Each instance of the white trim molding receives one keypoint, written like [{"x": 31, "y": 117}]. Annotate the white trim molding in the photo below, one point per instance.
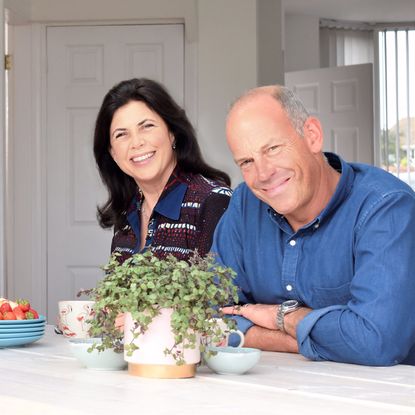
[{"x": 3, "y": 283}]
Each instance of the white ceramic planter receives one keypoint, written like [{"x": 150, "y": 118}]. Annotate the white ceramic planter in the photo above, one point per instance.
[{"x": 150, "y": 360}]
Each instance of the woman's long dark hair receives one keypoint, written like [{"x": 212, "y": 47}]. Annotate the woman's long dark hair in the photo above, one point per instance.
[{"x": 121, "y": 187}]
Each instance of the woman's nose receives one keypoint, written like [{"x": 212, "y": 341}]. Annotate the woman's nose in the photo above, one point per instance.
[{"x": 136, "y": 140}]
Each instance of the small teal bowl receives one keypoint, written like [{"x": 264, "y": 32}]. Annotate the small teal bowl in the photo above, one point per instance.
[
  {"x": 105, "y": 360},
  {"x": 232, "y": 360}
]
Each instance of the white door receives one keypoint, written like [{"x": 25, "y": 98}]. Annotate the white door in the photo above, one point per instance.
[
  {"x": 342, "y": 98},
  {"x": 84, "y": 62}
]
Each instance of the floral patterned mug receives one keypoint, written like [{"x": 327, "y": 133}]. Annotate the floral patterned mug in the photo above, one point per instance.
[{"x": 73, "y": 318}]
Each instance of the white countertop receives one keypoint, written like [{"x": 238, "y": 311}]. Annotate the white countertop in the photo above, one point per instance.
[{"x": 44, "y": 378}]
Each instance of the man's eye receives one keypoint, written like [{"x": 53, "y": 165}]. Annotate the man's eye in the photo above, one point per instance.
[
  {"x": 244, "y": 164},
  {"x": 148, "y": 125},
  {"x": 273, "y": 149}
]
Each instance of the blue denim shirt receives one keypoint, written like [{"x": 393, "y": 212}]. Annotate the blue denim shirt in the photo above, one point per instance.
[{"x": 354, "y": 265}]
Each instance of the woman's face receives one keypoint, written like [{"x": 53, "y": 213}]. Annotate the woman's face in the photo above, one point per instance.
[{"x": 141, "y": 145}]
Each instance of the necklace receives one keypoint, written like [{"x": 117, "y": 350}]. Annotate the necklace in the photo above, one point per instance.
[{"x": 145, "y": 211}]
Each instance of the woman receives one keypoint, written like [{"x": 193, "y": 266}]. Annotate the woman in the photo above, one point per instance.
[{"x": 162, "y": 194}]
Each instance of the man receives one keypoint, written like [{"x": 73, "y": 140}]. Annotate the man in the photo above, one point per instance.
[{"x": 324, "y": 250}]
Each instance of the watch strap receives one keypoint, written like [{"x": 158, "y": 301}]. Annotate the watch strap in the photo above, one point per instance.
[{"x": 285, "y": 308}]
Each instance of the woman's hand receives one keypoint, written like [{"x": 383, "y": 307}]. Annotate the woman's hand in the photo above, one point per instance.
[
  {"x": 119, "y": 322},
  {"x": 264, "y": 315}
]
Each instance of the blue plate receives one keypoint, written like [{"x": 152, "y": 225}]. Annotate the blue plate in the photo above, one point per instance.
[
  {"x": 19, "y": 341},
  {"x": 41, "y": 319},
  {"x": 19, "y": 335},
  {"x": 22, "y": 326},
  {"x": 23, "y": 330}
]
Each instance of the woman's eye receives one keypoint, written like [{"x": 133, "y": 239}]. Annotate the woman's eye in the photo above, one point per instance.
[
  {"x": 148, "y": 125},
  {"x": 120, "y": 134}
]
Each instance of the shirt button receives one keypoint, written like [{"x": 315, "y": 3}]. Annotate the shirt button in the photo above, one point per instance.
[
  {"x": 289, "y": 287},
  {"x": 292, "y": 242},
  {"x": 316, "y": 226}
]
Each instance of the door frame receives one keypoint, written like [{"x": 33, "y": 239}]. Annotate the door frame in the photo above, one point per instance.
[
  {"x": 3, "y": 173},
  {"x": 37, "y": 123}
]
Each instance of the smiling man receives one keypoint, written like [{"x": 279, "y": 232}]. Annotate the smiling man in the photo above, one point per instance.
[{"x": 323, "y": 249}]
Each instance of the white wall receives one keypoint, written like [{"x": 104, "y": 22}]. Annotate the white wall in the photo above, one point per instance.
[
  {"x": 270, "y": 42},
  {"x": 226, "y": 67},
  {"x": 25, "y": 238},
  {"x": 302, "y": 49}
]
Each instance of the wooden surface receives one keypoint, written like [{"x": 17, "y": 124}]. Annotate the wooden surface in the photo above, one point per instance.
[{"x": 44, "y": 378}]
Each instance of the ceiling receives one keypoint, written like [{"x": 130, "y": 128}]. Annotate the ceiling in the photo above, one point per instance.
[{"x": 356, "y": 10}]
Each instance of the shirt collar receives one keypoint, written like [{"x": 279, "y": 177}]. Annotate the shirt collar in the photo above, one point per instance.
[
  {"x": 344, "y": 186},
  {"x": 171, "y": 199},
  {"x": 170, "y": 204}
]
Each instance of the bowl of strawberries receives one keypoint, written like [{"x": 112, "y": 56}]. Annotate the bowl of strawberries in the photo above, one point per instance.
[
  {"x": 17, "y": 310},
  {"x": 20, "y": 324}
]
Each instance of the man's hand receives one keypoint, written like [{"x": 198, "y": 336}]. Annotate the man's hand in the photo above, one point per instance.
[{"x": 264, "y": 315}]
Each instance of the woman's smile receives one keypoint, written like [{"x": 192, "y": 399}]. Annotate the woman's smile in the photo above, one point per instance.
[{"x": 143, "y": 157}]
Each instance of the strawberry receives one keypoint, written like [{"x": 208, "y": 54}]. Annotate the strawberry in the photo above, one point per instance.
[
  {"x": 19, "y": 313},
  {"x": 31, "y": 314},
  {"x": 24, "y": 305},
  {"x": 9, "y": 315},
  {"x": 5, "y": 308},
  {"x": 1, "y": 316}
]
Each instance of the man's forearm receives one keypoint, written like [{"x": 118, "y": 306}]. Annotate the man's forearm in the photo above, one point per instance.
[
  {"x": 292, "y": 320},
  {"x": 270, "y": 340}
]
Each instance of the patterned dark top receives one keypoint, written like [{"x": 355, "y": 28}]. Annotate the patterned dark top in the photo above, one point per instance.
[{"x": 183, "y": 219}]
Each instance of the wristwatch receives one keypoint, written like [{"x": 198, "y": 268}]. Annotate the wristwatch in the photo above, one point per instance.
[{"x": 285, "y": 308}]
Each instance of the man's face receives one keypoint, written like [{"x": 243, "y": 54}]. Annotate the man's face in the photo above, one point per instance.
[{"x": 279, "y": 166}]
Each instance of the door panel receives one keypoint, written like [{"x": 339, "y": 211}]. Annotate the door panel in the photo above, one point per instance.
[
  {"x": 83, "y": 64},
  {"x": 342, "y": 98}
]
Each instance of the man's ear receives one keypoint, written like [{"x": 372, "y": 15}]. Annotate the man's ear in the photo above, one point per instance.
[{"x": 313, "y": 134}]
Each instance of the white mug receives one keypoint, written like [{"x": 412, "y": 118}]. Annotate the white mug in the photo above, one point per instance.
[
  {"x": 226, "y": 331},
  {"x": 73, "y": 317}
]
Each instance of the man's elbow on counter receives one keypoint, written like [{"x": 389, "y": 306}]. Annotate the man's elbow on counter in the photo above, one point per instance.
[
  {"x": 368, "y": 356},
  {"x": 387, "y": 352}
]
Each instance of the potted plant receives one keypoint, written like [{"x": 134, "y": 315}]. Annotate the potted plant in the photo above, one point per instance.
[{"x": 168, "y": 303}]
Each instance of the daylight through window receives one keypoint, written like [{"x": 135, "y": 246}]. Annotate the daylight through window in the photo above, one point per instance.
[{"x": 397, "y": 102}]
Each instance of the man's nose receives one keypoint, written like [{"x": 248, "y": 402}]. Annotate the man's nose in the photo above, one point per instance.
[{"x": 264, "y": 170}]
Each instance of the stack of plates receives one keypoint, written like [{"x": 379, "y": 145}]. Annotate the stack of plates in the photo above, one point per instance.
[{"x": 20, "y": 332}]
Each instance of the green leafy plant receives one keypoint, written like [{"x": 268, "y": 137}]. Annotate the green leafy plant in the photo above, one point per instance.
[{"x": 144, "y": 284}]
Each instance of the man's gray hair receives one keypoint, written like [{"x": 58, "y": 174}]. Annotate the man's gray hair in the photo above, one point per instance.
[
  {"x": 289, "y": 102},
  {"x": 293, "y": 106}
]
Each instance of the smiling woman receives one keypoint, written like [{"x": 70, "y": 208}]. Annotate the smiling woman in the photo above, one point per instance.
[
  {"x": 142, "y": 146},
  {"x": 162, "y": 195}
]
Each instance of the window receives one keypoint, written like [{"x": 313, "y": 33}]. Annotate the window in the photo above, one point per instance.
[
  {"x": 396, "y": 49},
  {"x": 347, "y": 43}
]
